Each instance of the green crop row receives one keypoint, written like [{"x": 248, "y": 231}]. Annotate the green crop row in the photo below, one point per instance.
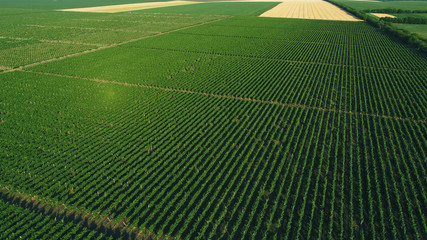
[
  {"x": 287, "y": 82},
  {"x": 246, "y": 128},
  {"x": 26, "y": 53},
  {"x": 31, "y": 37},
  {"x": 21, "y": 223},
  {"x": 192, "y": 166},
  {"x": 412, "y": 39},
  {"x": 396, "y": 57}
]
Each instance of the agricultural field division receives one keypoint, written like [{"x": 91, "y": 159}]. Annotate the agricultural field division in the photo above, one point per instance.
[{"x": 147, "y": 119}]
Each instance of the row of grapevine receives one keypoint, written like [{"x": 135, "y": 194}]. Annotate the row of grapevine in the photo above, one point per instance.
[
  {"x": 44, "y": 35},
  {"x": 195, "y": 166},
  {"x": 305, "y": 84},
  {"x": 21, "y": 223},
  {"x": 247, "y": 128},
  {"x": 351, "y": 50},
  {"x": 39, "y": 51},
  {"x": 246, "y": 70},
  {"x": 303, "y": 32}
]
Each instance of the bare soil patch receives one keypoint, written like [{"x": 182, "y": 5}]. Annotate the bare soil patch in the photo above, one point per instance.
[
  {"x": 382, "y": 15},
  {"x": 309, "y": 9},
  {"x": 128, "y": 7}
]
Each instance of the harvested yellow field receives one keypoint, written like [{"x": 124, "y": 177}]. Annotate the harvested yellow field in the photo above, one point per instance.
[
  {"x": 128, "y": 7},
  {"x": 309, "y": 9},
  {"x": 383, "y": 15},
  {"x": 241, "y": 0},
  {"x": 366, "y": 1}
]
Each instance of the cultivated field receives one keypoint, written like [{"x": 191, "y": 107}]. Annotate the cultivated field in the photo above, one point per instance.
[
  {"x": 129, "y": 7},
  {"x": 235, "y": 8},
  {"x": 419, "y": 29},
  {"x": 402, "y": 4},
  {"x": 309, "y": 9},
  {"x": 207, "y": 126}
]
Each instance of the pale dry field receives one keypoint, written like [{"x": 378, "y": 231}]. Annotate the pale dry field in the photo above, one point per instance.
[
  {"x": 381, "y": 15},
  {"x": 128, "y": 7},
  {"x": 240, "y": 1},
  {"x": 309, "y": 9},
  {"x": 365, "y": 1}
]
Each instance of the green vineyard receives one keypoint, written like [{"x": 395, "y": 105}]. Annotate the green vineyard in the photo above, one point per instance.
[{"x": 191, "y": 126}]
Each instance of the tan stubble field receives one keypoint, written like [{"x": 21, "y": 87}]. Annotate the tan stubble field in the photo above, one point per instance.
[
  {"x": 309, "y": 9},
  {"x": 129, "y": 7}
]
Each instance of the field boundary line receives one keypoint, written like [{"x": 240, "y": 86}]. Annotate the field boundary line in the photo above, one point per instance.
[
  {"x": 112, "y": 45},
  {"x": 87, "y": 219},
  {"x": 277, "y": 103},
  {"x": 4, "y": 68},
  {"x": 280, "y": 60}
]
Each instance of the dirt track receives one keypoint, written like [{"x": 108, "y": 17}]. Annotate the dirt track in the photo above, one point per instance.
[
  {"x": 128, "y": 7},
  {"x": 309, "y": 9}
]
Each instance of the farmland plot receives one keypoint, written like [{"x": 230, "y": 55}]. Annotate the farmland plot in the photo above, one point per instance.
[
  {"x": 128, "y": 7},
  {"x": 235, "y": 8},
  {"x": 309, "y": 9},
  {"x": 51, "y": 35},
  {"x": 122, "y": 159},
  {"x": 286, "y": 68},
  {"x": 243, "y": 128},
  {"x": 15, "y": 218}
]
